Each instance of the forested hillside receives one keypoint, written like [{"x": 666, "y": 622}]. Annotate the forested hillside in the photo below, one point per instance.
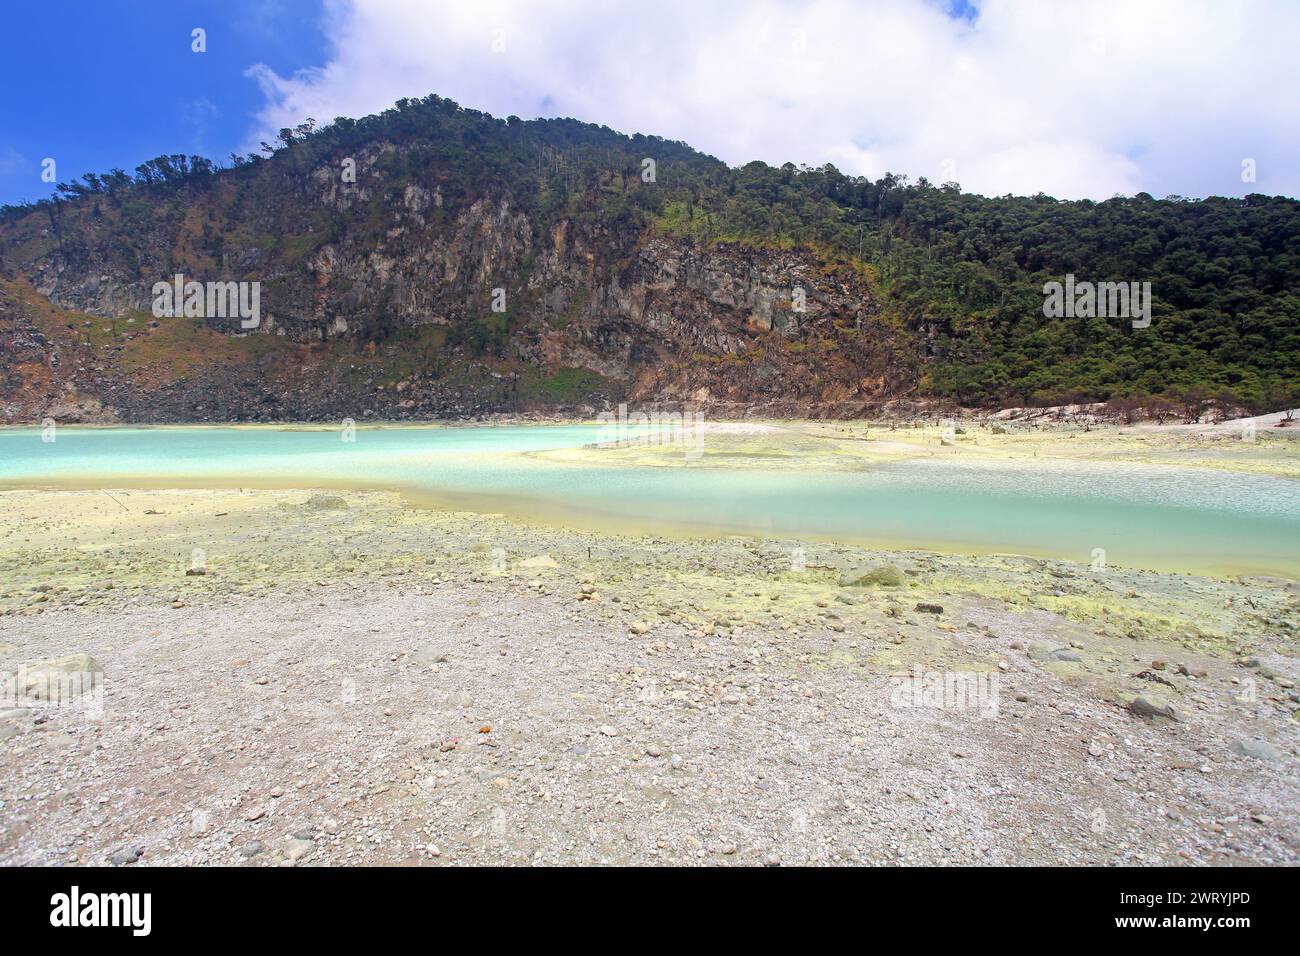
[{"x": 632, "y": 267}]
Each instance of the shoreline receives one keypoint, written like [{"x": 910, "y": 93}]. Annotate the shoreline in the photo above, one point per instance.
[
  {"x": 544, "y": 516},
  {"x": 787, "y": 450}
]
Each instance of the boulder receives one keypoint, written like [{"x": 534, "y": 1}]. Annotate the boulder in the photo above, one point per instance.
[
  {"x": 1144, "y": 707},
  {"x": 55, "y": 678},
  {"x": 1256, "y": 749},
  {"x": 884, "y": 575}
]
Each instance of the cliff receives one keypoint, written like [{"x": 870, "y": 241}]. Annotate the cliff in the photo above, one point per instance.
[{"x": 433, "y": 261}]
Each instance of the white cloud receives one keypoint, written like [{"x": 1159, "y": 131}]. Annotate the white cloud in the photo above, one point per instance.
[{"x": 1071, "y": 99}]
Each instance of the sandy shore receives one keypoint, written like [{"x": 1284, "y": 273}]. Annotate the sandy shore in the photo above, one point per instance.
[
  {"x": 356, "y": 680},
  {"x": 819, "y": 446}
]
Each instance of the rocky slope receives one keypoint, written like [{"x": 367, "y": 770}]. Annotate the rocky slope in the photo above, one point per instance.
[
  {"x": 433, "y": 260},
  {"x": 413, "y": 292}
]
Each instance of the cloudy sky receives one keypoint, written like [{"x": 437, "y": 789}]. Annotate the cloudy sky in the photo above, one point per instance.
[{"x": 1088, "y": 98}]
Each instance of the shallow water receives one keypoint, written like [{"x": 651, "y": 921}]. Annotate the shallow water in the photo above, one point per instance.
[{"x": 1166, "y": 518}]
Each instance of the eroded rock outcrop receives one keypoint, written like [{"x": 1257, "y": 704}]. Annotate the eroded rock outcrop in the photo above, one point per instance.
[{"x": 407, "y": 297}]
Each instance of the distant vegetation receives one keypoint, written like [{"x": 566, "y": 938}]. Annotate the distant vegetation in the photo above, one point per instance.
[{"x": 962, "y": 275}]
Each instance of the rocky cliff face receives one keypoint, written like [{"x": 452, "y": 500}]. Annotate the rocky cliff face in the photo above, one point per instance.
[{"x": 412, "y": 296}]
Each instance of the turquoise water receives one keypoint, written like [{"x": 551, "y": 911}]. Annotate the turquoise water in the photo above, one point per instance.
[{"x": 1142, "y": 516}]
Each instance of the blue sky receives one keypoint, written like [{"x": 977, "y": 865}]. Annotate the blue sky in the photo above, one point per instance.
[
  {"x": 1074, "y": 98},
  {"x": 96, "y": 84}
]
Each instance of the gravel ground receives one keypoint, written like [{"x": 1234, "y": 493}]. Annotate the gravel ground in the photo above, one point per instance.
[{"x": 658, "y": 702}]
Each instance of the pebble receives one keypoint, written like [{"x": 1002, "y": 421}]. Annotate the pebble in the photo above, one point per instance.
[
  {"x": 126, "y": 856},
  {"x": 297, "y": 848}
]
